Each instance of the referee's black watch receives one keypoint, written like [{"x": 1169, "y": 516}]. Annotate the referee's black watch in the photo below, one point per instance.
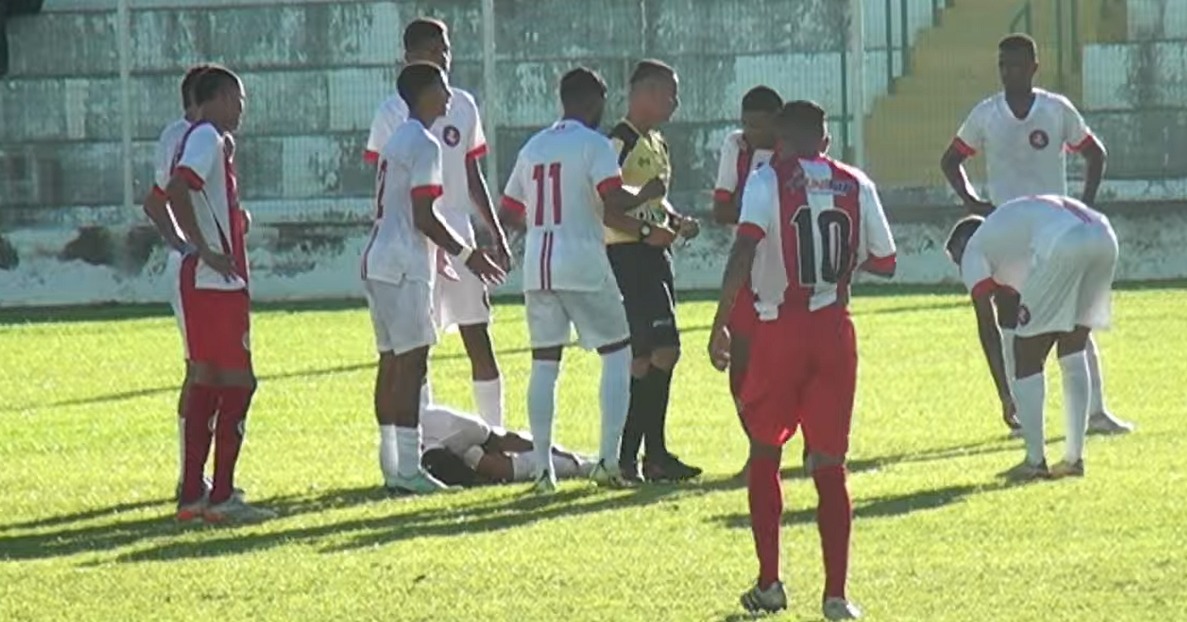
[{"x": 644, "y": 231}]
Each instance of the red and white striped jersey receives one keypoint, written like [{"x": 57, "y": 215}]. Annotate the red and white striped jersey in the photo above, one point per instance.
[
  {"x": 737, "y": 161},
  {"x": 817, "y": 220},
  {"x": 557, "y": 184},
  {"x": 1003, "y": 250}
]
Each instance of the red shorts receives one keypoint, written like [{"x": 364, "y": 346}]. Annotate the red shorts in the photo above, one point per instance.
[
  {"x": 215, "y": 324},
  {"x": 743, "y": 321},
  {"x": 803, "y": 372}
]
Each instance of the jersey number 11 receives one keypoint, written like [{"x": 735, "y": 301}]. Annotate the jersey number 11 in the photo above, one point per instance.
[{"x": 554, "y": 176}]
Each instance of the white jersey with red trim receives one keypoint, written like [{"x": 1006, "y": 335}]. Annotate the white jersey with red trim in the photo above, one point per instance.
[
  {"x": 205, "y": 159},
  {"x": 166, "y": 152},
  {"x": 737, "y": 161},
  {"x": 409, "y": 167},
  {"x": 1014, "y": 236},
  {"x": 1024, "y": 157},
  {"x": 817, "y": 220},
  {"x": 557, "y": 184},
  {"x": 460, "y": 135}
]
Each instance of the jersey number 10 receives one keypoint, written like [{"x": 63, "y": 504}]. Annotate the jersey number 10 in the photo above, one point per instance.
[
  {"x": 831, "y": 262},
  {"x": 554, "y": 176}
]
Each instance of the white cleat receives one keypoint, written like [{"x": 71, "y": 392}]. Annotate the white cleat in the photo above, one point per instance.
[
  {"x": 1104, "y": 423},
  {"x": 419, "y": 484},
  {"x": 770, "y": 600},
  {"x": 840, "y": 609},
  {"x": 544, "y": 484}
]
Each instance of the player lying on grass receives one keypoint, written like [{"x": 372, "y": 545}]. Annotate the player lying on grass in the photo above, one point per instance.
[
  {"x": 462, "y": 449},
  {"x": 1059, "y": 255}
]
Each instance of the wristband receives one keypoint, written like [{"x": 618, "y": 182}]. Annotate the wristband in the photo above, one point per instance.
[{"x": 464, "y": 254}]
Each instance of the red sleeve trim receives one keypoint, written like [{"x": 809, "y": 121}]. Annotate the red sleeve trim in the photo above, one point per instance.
[
  {"x": 964, "y": 148},
  {"x": 370, "y": 157},
  {"x": 608, "y": 184},
  {"x": 722, "y": 195},
  {"x": 158, "y": 192},
  {"x": 752, "y": 231},
  {"x": 477, "y": 152},
  {"x": 513, "y": 206},
  {"x": 1089, "y": 139},
  {"x": 984, "y": 287},
  {"x": 881, "y": 264},
  {"x": 427, "y": 192},
  {"x": 193, "y": 179}
]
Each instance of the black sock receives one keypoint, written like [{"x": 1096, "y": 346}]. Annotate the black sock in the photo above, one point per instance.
[
  {"x": 632, "y": 432},
  {"x": 659, "y": 392}
]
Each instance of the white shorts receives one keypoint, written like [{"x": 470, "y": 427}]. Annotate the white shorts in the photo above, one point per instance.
[
  {"x": 464, "y": 302},
  {"x": 402, "y": 315},
  {"x": 448, "y": 428},
  {"x": 599, "y": 317},
  {"x": 1071, "y": 284}
]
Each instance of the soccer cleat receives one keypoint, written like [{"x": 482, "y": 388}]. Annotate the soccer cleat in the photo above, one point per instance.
[
  {"x": 191, "y": 511},
  {"x": 236, "y": 511},
  {"x": 419, "y": 484},
  {"x": 771, "y": 600},
  {"x": 840, "y": 609},
  {"x": 1025, "y": 472},
  {"x": 610, "y": 477},
  {"x": 544, "y": 484},
  {"x": 668, "y": 468},
  {"x": 206, "y": 486},
  {"x": 1015, "y": 433},
  {"x": 1104, "y": 423},
  {"x": 1067, "y": 469},
  {"x": 629, "y": 471}
]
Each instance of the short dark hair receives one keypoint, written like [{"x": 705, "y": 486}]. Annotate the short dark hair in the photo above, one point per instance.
[
  {"x": 803, "y": 116},
  {"x": 762, "y": 99},
  {"x": 580, "y": 85},
  {"x": 1018, "y": 42},
  {"x": 414, "y": 79},
  {"x": 211, "y": 82},
  {"x": 651, "y": 69},
  {"x": 962, "y": 232},
  {"x": 187, "y": 83},
  {"x": 423, "y": 31}
]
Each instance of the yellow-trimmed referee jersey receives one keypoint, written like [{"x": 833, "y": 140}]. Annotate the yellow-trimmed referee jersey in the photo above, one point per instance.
[{"x": 643, "y": 157}]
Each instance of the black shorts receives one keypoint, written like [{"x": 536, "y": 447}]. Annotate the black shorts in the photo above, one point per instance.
[{"x": 644, "y": 276}]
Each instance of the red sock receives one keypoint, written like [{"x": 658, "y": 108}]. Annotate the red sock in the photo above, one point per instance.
[
  {"x": 201, "y": 402},
  {"x": 766, "y": 510},
  {"x": 228, "y": 435},
  {"x": 834, "y": 518}
]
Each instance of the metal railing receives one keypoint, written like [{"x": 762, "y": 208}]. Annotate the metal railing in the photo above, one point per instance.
[{"x": 1068, "y": 53}]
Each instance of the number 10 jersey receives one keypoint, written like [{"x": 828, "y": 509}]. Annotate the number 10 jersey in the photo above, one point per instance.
[{"x": 817, "y": 220}]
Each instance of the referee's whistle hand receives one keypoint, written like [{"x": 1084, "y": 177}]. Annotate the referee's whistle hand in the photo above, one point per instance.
[{"x": 661, "y": 237}]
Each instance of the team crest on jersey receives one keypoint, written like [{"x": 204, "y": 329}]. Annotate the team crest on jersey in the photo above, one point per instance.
[
  {"x": 452, "y": 136},
  {"x": 1039, "y": 140},
  {"x": 1023, "y": 315}
]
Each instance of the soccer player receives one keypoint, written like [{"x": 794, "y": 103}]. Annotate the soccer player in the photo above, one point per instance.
[
  {"x": 214, "y": 301},
  {"x": 398, "y": 273},
  {"x": 463, "y": 449},
  {"x": 1059, "y": 255},
  {"x": 463, "y": 301},
  {"x": 565, "y": 186},
  {"x": 1025, "y": 133},
  {"x": 807, "y": 223},
  {"x": 644, "y": 273},
  {"x": 744, "y": 150}
]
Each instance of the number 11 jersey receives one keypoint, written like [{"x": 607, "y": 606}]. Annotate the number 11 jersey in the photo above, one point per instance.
[
  {"x": 817, "y": 220},
  {"x": 557, "y": 184}
]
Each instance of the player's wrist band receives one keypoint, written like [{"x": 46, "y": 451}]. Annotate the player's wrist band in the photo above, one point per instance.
[{"x": 464, "y": 254}]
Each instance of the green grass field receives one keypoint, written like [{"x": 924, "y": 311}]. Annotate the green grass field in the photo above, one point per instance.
[{"x": 88, "y": 446}]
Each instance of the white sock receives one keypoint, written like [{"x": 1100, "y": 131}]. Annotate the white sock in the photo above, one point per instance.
[
  {"x": 1075, "y": 402},
  {"x": 1096, "y": 392},
  {"x": 426, "y": 395},
  {"x": 541, "y": 407},
  {"x": 388, "y": 452},
  {"x": 1008, "y": 357},
  {"x": 523, "y": 467},
  {"x": 614, "y": 396},
  {"x": 488, "y": 397},
  {"x": 1029, "y": 395},
  {"x": 407, "y": 451}
]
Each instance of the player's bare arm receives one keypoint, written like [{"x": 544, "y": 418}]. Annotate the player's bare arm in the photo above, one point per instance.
[
  {"x": 737, "y": 269},
  {"x": 178, "y": 194},
  {"x": 476, "y": 183},
  {"x": 952, "y": 163},
  {"x": 157, "y": 209},
  {"x": 426, "y": 220},
  {"x": 879, "y": 268},
  {"x": 1096, "y": 157},
  {"x": 991, "y": 345}
]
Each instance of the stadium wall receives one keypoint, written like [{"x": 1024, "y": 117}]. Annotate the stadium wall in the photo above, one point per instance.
[{"x": 315, "y": 71}]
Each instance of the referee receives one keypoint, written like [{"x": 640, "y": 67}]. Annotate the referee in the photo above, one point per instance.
[{"x": 644, "y": 275}]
